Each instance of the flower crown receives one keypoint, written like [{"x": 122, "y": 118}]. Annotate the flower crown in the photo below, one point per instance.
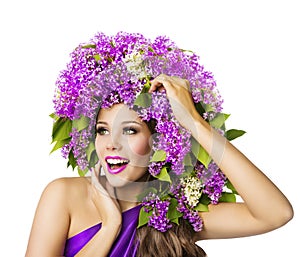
[{"x": 118, "y": 69}]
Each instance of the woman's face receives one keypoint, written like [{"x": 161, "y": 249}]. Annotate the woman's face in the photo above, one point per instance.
[{"x": 123, "y": 144}]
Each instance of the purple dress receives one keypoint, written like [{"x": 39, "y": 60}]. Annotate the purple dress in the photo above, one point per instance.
[{"x": 124, "y": 245}]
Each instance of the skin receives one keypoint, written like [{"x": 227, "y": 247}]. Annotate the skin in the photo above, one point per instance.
[{"x": 70, "y": 205}]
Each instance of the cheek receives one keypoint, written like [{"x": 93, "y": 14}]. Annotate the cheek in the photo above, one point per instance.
[
  {"x": 140, "y": 146},
  {"x": 99, "y": 146}
]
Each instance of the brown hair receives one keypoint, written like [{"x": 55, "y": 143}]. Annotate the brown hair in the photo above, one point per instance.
[{"x": 176, "y": 242}]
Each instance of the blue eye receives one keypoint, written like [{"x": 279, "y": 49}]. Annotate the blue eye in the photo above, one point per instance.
[
  {"x": 129, "y": 131},
  {"x": 102, "y": 131}
]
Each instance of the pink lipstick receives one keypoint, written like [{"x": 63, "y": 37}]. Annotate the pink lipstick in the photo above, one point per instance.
[{"x": 116, "y": 164}]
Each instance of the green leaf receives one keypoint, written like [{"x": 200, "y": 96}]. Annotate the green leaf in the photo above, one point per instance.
[
  {"x": 173, "y": 214},
  {"x": 187, "y": 170},
  {"x": 72, "y": 160},
  {"x": 60, "y": 144},
  {"x": 150, "y": 49},
  {"x": 234, "y": 133},
  {"x": 175, "y": 220},
  {"x": 146, "y": 86},
  {"x": 201, "y": 207},
  {"x": 204, "y": 157},
  {"x": 231, "y": 187},
  {"x": 219, "y": 120},
  {"x": 143, "y": 217},
  {"x": 112, "y": 44},
  {"x": 208, "y": 107},
  {"x": 159, "y": 156},
  {"x": 200, "y": 153},
  {"x": 89, "y": 46},
  {"x": 54, "y": 116},
  {"x": 82, "y": 172},
  {"x": 143, "y": 100},
  {"x": 164, "y": 175},
  {"x": 61, "y": 129},
  {"x": 109, "y": 59},
  {"x": 187, "y": 161},
  {"x": 58, "y": 122},
  {"x": 227, "y": 197},
  {"x": 81, "y": 123},
  {"x": 204, "y": 199},
  {"x": 200, "y": 109},
  {"x": 185, "y": 50},
  {"x": 97, "y": 57},
  {"x": 89, "y": 150},
  {"x": 94, "y": 159}
]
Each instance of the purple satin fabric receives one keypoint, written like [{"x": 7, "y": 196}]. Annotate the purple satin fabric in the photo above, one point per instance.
[{"x": 124, "y": 245}]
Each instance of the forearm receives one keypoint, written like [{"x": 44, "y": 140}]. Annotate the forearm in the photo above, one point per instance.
[
  {"x": 102, "y": 242},
  {"x": 260, "y": 195}
]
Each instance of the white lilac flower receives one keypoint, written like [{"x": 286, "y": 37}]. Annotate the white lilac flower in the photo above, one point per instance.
[
  {"x": 134, "y": 64},
  {"x": 192, "y": 189}
]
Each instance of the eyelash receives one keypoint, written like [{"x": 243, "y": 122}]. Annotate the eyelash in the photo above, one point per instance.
[
  {"x": 101, "y": 131},
  {"x": 127, "y": 131}
]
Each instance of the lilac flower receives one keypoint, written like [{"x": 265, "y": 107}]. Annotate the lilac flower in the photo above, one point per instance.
[
  {"x": 154, "y": 168},
  {"x": 213, "y": 179},
  {"x": 192, "y": 189},
  {"x": 159, "y": 208},
  {"x": 189, "y": 214}
]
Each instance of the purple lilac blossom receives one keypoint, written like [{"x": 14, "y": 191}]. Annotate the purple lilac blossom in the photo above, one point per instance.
[
  {"x": 158, "y": 218},
  {"x": 213, "y": 180}
]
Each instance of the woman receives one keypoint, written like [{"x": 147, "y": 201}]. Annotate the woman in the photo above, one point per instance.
[{"x": 160, "y": 140}]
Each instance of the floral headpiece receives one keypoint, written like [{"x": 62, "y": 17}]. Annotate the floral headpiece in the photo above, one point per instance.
[{"x": 115, "y": 69}]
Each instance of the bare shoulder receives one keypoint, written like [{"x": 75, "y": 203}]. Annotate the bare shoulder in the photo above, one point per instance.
[
  {"x": 54, "y": 214},
  {"x": 68, "y": 189},
  {"x": 74, "y": 194},
  {"x": 69, "y": 183}
]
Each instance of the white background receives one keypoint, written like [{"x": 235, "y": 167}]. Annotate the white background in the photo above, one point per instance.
[{"x": 252, "y": 47}]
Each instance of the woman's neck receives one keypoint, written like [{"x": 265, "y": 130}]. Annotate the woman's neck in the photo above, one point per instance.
[{"x": 127, "y": 195}]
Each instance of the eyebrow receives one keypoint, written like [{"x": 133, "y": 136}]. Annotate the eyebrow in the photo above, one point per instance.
[{"x": 123, "y": 122}]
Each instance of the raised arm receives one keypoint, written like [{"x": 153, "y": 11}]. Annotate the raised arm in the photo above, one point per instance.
[{"x": 264, "y": 208}]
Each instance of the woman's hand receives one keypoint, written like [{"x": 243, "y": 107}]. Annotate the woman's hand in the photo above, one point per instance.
[
  {"x": 104, "y": 199},
  {"x": 178, "y": 93},
  {"x": 109, "y": 211}
]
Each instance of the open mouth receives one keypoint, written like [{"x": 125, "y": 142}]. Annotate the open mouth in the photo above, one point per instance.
[{"x": 116, "y": 164}]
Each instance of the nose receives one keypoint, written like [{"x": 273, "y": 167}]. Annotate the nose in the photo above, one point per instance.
[{"x": 113, "y": 143}]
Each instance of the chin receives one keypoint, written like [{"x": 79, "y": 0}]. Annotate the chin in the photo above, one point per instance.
[
  {"x": 125, "y": 177},
  {"x": 117, "y": 181},
  {"x": 120, "y": 181}
]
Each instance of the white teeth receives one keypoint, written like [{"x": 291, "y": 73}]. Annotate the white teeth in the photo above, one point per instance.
[{"x": 116, "y": 161}]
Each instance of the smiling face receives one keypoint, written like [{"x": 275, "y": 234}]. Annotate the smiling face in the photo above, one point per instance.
[{"x": 122, "y": 144}]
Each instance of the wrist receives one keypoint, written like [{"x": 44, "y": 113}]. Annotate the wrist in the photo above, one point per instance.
[
  {"x": 210, "y": 139},
  {"x": 200, "y": 128}
]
